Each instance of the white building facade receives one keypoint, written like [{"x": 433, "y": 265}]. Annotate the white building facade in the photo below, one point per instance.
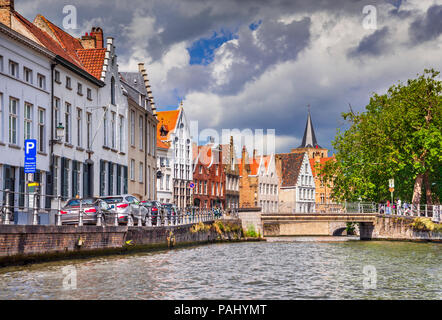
[
  {"x": 25, "y": 110},
  {"x": 174, "y": 130}
]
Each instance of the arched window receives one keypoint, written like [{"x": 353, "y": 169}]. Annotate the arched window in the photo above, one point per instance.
[{"x": 113, "y": 91}]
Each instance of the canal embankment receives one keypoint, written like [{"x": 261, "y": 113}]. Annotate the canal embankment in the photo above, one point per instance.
[{"x": 30, "y": 244}]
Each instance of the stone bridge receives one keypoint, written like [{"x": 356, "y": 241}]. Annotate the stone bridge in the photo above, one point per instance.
[{"x": 311, "y": 224}]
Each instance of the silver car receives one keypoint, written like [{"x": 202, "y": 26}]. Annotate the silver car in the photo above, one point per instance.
[
  {"x": 70, "y": 213},
  {"x": 126, "y": 205}
]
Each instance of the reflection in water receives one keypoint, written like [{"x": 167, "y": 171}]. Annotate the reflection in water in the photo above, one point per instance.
[{"x": 272, "y": 270}]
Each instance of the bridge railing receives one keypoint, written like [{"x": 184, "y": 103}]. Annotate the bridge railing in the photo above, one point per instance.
[{"x": 430, "y": 211}]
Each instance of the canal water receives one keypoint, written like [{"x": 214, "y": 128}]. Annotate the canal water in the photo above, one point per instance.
[{"x": 313, "y": 268}]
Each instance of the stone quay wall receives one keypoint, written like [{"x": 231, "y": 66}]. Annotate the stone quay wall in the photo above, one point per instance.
[
  {"x": 395, "y": 228},
  {"x": 28, "y": 244}
]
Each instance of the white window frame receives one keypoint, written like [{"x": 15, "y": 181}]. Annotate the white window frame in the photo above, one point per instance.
[{"x": 13, "y": 119}]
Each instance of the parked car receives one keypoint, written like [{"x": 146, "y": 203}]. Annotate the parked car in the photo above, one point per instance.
[
  {"x": 70, "y": 213},
  {"x": 126, "y": 205},
  {"x": 171, "y": 211},
  {"x": 155, "y": 208}
]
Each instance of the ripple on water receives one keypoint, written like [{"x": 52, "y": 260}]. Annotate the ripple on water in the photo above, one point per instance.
[{"x": 272, "y": 270}]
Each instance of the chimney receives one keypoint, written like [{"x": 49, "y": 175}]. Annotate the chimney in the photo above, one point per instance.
[
  {"x": 6, "y": 10},
  {"x": 254, "y": 154},
  {"x": 97, "y": 33}
]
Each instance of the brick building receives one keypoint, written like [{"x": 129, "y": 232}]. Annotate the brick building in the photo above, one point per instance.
[
  {"x": 209, "y": 178},
  {"x": 258, "y": 182}
]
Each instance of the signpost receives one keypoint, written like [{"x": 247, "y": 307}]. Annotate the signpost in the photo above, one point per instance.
[
  {"x": 192, "y": 185},
  {"x": 30, "y": 156},
  {"x": 30, "y": 170},
  {"x": 391, "y": 184}
]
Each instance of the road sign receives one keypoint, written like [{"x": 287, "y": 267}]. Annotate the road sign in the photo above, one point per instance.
[
  {"x": 192, "y": 185},
  {"x": 30, "y": 156},
  {"x": 391, "y": 189},
  {"x": 391, "y": 183}
]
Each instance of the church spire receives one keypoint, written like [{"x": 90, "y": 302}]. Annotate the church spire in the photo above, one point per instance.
[{"x": 309, "y": 140}]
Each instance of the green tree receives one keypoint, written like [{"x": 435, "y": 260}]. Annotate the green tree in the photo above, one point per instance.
[{"x": 398, "y": 136}]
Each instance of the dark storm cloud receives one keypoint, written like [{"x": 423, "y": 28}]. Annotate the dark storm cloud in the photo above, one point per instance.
[
  {"x": 427, "y": 27},
  {"x": 372, "y": 45}
]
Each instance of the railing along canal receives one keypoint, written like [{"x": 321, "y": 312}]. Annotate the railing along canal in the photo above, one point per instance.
[{"x": 35, "y": 209}]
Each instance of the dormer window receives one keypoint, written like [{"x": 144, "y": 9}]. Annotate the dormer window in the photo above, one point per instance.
[{"x": 163, "y": 131}]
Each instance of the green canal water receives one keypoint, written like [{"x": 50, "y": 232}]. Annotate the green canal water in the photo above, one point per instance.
[{"x": 288, "y": 269}]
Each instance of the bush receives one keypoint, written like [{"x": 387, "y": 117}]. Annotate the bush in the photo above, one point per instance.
[
  {"x": 251, "y": 232},
  {"x": 425, "y": 224}
]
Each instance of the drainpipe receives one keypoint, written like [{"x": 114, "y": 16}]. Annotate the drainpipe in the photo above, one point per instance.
[{"x": 51, "y": 166}]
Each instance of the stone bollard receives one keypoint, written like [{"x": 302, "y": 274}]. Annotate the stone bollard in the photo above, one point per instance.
[
  {"x": 149, "y": 218},
  {"x": 34, "y": 211},
  {"x": 139, "y": 224},
  {"x": 80, "y": 215},
  {"x": 99, "y": 217},
  {"x": 8, "y": 207},
  {"x": 115, "y": 219},
  {"x": 59, "y": 211}
]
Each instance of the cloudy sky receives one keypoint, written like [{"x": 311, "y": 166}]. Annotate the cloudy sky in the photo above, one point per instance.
[{"x": 258, "y": 64}]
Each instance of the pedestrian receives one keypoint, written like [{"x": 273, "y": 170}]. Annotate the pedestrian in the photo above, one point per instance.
[{"x": 388, "y": 211}]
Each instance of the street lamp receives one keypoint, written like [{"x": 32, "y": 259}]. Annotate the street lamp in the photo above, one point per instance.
[{"x": 60, "y": 131}]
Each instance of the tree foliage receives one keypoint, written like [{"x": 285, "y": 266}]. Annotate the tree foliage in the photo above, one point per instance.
[{"x": 397, "y": 136}]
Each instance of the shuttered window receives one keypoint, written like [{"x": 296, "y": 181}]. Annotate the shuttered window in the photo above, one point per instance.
[
  {"x": 111, "y": 179},
  {"x": 102, "y": 177}
]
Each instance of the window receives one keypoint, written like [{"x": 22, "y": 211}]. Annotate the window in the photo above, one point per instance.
[
  {"x": 140, "y": 177},
  {"x": 68, "y": 83},
  {"x": 79, "y": 89},
  {"x": 13, "y": 116},
  {"x": 113, "y": 132},
  {"x": 167, "y": 182},
  {"x": 41, "y": 130},
  {"x": 105, "y": 128},
  {"x": 141, "y": 120},
  {"x": 113, "y": 91},
  {"x": 28, "y": 122},
  {"x": 67, "y": 125},
  {"x": 28, "y": 75},
  {"x": 13, "y": 69},
  {"x": 89, "y": 130},
  {"x": 148, "y": 137},
  {"x": 57, "y": 113},
  {"x": 154, "y": 139},
  {"x": 132, "y": 127},
  {"x": 41, "y": 79},
  {"x": 1, "y": 63},
  {"x": 79, "y": 127},
  {"x": 89, "y": 93},
  {"x": 121, "y": 133},
  {"x": 132, "y": 169},
  {"x": 55, "y": 182},
  {"x": 1, "y": 120},
  {"x": 57, "y": 76}
]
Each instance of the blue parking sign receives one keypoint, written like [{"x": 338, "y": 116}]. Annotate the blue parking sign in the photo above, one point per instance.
[{"x": 30, "y": 156}]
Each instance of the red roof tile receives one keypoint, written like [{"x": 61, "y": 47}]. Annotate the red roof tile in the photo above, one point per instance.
[
  {"x": 290, "y": 168},
  {"x": 92, "y": 60}
]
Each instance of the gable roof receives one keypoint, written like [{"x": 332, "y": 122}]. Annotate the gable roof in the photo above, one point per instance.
[
  {"x": 168, "y": 120},
  {"x": 43, "y": 38},
  {"x": 290, "y": 168}
]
